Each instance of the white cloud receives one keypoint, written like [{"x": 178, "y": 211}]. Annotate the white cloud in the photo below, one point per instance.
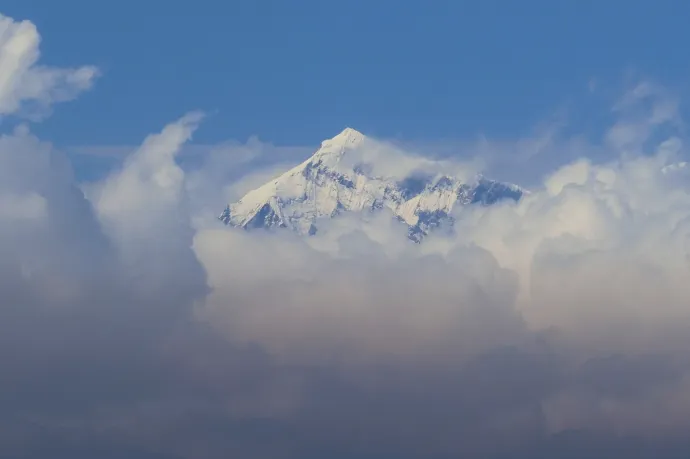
[
  {"x": 587, "y": 224},
  {"x": 22, "y": 80},
  {"x": 150, "y": 184}
]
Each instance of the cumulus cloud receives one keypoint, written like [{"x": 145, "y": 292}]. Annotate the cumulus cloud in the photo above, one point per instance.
[
  {"x": 586, "y": 278},
  {"x": 23, "y": 81},
  {"x": 86, "y": 292},
  {"x": 133, "y": 325}
]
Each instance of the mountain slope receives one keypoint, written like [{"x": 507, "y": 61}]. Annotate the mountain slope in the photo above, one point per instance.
[{"x": 340, "y": 177}]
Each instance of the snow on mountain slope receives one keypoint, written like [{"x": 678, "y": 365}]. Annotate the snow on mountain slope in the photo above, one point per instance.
[{"x": 349, "y": 174}]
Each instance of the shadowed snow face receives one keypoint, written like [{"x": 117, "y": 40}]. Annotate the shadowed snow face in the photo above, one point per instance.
[{"x": 133, "y": 324}]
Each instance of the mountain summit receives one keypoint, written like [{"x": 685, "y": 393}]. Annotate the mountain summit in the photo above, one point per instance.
[{"x": 348, "y": 173}]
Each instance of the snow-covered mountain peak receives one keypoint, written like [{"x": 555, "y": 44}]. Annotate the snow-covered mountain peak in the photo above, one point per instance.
[
  {"x": 333, "y": 150},
  {"x": 348, "y": 137},
  {"x": 336, "y": 179}
]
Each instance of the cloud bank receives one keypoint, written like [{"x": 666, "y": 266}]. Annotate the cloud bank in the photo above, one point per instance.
[{"x": 133, "y": 325}]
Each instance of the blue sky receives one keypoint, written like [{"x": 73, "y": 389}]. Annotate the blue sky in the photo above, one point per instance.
[{"x": 296, "y": 72}]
